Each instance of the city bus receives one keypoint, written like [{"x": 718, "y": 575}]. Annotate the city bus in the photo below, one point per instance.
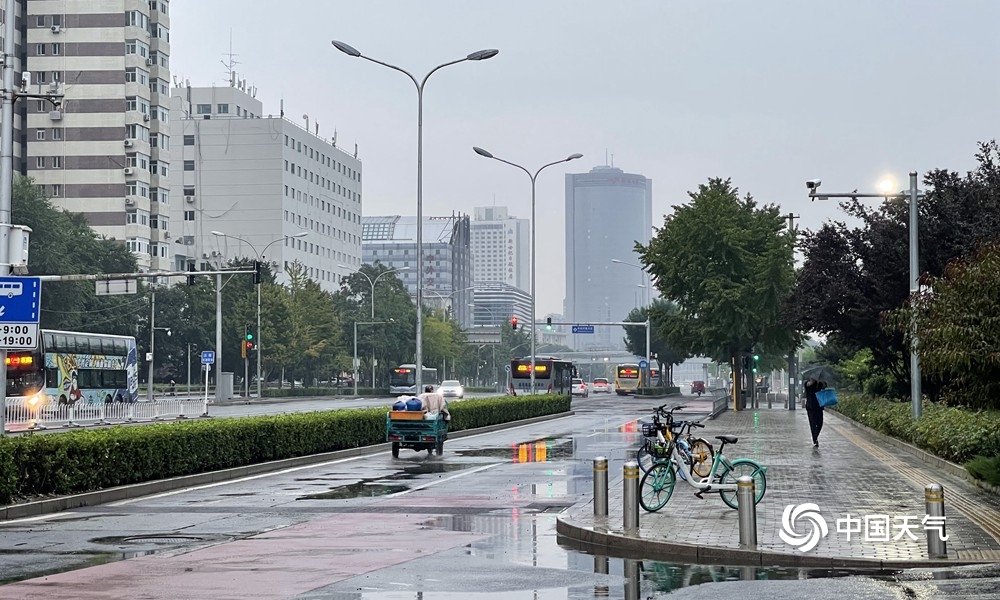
[
  {"x": 72, "y": 367},
  {"x": 403, "y": 379},
  {"x": 627, "y": 379},
  {"x": 552, "y": 375}
]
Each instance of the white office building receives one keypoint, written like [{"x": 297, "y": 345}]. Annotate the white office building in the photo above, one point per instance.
[
  {"x": 260, "y": 179},
  {"x": 447, "y": 283},
  {"x": 496, "y": 303},
  {"x": 104, "y": 152},
  {"x": 501, "y": 248}
]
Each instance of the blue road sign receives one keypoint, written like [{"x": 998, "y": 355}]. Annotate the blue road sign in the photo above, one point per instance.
[
  {"x": 583, "y": 329},
  {"x": 20, "y": 299},
  {"x": 506, "y": 368},
  {"x": 643, "y": 364},
  {"x": 207, "y": 357}
]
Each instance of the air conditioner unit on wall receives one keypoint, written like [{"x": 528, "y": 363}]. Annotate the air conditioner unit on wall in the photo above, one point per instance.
[
  {"x": 189, "y": 199},
  {"x": 129, "y": 201},
  {"x": 56, "y": 29},
  {"x": 145, "y": 117},
  {"x": 128, "y": 170},
  {"x": 55, "y": 115},
  {"x": 149, "y": 62},
  {"x": 129, "y": 143}
]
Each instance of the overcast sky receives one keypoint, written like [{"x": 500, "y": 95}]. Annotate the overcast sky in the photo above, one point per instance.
[{"x": 769, "y": 93}]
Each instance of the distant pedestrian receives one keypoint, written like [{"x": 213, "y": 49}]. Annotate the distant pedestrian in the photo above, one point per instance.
[{"x": 813, "y": 409}]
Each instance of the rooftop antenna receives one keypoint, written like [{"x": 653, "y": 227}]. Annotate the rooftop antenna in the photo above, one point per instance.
[
  {"x": 306, "y": 119},
  {"x": 334, "y": 137},
  {"x": 355, "y": 149},
  {"x": 281, "y": 106},
  {"x": 231, "y": 63}
]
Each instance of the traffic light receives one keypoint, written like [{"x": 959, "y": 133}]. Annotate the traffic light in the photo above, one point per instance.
[
  {"x": 256, "y": 271},
  {"x": 190, "y": 267},
  {"x": 548, "y": 323},
  {"x": 756, "y": 359},
  {"x": 250, "y": 344},
  {"x": 513, "y": 323}
]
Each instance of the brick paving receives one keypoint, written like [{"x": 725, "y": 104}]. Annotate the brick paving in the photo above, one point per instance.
[{"x": 851, "y": 473}]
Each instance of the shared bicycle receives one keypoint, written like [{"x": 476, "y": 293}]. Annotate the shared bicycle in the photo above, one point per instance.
[{"x": 669, "y": 460}]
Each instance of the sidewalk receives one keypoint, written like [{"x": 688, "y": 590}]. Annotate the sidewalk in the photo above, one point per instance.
[{"x": 851, "y": 473}]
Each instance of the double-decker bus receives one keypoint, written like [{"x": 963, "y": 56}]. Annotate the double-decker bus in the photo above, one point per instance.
[
  {"x": 552, "y": 375},
  {"x": 76, "y": 368},
  {"x": 627, "y": 378},
  {"x": 403, "y": 379}
]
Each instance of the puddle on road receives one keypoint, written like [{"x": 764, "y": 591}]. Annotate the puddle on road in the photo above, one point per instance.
[
  {"x": 543, "y": 450},
  {"x": 361, "y": 489}
]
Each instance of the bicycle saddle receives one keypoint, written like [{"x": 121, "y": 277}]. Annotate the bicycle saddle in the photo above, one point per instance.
[{"x": 729, "y": 439}]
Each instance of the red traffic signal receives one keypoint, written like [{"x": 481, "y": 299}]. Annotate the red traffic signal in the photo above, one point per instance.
[{"x": 513, "y": 322}]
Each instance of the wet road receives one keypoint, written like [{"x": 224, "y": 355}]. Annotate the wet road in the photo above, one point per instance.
[{"x": 478, "y": 522}]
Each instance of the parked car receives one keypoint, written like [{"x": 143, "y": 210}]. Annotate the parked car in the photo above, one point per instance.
[
  {"x": 579, "y": 388},
  {"x": 698, "y": 387},
  {"x": 601, "y": 385},
  {"x": 452, "y": 388}
]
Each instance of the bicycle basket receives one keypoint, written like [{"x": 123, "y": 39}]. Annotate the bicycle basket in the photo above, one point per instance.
[
  {"x": 659, "y": 451},
  {"x": 649, "y": 430}
]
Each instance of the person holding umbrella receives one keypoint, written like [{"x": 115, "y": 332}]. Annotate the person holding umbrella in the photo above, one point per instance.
[{"x": 813, "y": 409}]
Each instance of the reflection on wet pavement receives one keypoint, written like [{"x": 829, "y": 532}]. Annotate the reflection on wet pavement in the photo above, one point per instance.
[
  {"x": 544, "y": 450},
  {"x": 361, "y": 489}
]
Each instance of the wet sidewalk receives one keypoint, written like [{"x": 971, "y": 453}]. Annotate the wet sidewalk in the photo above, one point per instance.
[{"x": 852, "y": 475}]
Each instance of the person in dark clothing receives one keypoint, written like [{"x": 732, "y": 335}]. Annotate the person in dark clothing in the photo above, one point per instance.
[{"x": 813, "y": 409}]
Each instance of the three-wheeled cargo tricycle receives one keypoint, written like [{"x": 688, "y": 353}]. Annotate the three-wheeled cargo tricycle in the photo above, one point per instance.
[{"x": 412, "y": 429}]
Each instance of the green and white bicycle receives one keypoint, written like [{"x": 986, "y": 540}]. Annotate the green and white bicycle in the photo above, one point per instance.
[{"x": 657, "y": 484}]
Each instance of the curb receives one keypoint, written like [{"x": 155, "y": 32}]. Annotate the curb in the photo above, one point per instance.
[
  {"x": 600, "y": 540},
  {"x": 61, "y": 503}
]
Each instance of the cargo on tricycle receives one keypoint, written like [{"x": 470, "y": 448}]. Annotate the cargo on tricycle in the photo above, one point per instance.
[{"x": 415, "y": 430}]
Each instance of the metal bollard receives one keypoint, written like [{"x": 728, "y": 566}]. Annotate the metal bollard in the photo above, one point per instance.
[
  {"x": 745, "y": 493},
  {"x": 937, "y": 546},
  {"x": 631, "y": 579},
  {"x": 600, "y": 486},
  {"x": 630, "y": 498}
]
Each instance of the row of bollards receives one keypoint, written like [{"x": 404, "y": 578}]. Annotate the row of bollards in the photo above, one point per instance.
[{"x": 745, "y": 493}]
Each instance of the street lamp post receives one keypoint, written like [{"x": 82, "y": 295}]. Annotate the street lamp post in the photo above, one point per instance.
[
  {"x": 533, "y": 178},
  {"x": 647, "y": 284},
  {"x": 260, "y": 257},
  {"x": 911, "y": 195},
  {"x": 152, "y": 342},
  {"x": 372, "y": 283},
  {"x": 475, "y": 56},
  {"x": 355, "y": 363}
]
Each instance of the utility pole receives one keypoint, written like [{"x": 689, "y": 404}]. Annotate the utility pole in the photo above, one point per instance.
[{"x": 792, "y": 355}]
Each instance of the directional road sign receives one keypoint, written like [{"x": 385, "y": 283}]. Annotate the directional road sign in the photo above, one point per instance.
[
  {"x": 208, "y": 357},
  {"x": 643, "y": 364},
  {"x": 20, "y": 306},
  {"x": 583, "y": 329}
]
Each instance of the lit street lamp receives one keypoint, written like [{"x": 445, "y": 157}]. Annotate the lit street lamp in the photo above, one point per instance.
[
  {"x": 911, "y": 195},
  {"x": 260, "y": 257},
  {"x": 475, "y": 56},
  {"x": 372, "y": 283},
  {"x": 486, "y": 154}
]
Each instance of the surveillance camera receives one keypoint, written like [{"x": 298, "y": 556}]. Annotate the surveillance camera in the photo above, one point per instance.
[
  {"x": 813, "y": 183},
  {"x": 56, "y": 103}
]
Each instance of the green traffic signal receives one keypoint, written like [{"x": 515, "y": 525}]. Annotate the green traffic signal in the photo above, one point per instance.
[
  {"x": 249, "y": 337},
  {"x": 756, "y": 357}
]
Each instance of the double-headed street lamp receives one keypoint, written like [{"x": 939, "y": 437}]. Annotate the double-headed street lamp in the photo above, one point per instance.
[
  {"x": 260, "y": 258},
  {"x": 910, "y": 195},
  {"x": 533, "y": 177},
  {"x": 475, "y": 56},
  {"x": 372, "y": 282},
  {"x": 355, "y": 363}
]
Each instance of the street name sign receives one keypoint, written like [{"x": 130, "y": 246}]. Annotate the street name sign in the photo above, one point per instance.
[{"x": 583, "y": 329}]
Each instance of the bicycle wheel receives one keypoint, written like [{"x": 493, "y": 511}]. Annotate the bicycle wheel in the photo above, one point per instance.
[
  {"x": 656, "y": 486},
  {"x": 702, "y": 456},
  {"x": 644, "y": 457},
  {"x": 741, "y": 467}
]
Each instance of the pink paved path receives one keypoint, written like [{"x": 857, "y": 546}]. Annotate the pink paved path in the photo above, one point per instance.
[{"x": 278, "y": 564}]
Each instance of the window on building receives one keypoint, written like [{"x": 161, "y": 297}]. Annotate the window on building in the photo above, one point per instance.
[
  {"x": 57, "y": 162},
  {"x": 189, "y": 165},
  {"x": 40, "y": 162},
  {"x": 40, "y": 21},
  {"x": 189, "y": 191},
  {"x": 131, "y": 103},
  {"x": 57, "y": 133},
  {"x": 131, "y": 217},
  {"x": 189, "y": 215},
  {"x": 189, "y": 140},
  {"x": 40, "y": 134},
  {"x": 130, "y": 76},
  {"x": 55, "y": 190},
  {"x": 222, "y": 109},
  {"x": 203, "y": 109},
  {"x": 40, "y": 49},
  {"x": 56, "y": 49}
]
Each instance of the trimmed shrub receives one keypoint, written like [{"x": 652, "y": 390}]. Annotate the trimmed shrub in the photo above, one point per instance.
[
  {"x": 81, "y": 461},
  {"x": 985, "y": 468}
]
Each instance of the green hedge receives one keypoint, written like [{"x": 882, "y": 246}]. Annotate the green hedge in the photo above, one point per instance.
[
  {"x": 953, "y": 433},
  {"x": 81, "y": 461}
]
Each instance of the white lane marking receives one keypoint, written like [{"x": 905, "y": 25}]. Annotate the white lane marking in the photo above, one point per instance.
[
  {"x": 437, "y": 481},
  {"x": 36, "y": 518}
]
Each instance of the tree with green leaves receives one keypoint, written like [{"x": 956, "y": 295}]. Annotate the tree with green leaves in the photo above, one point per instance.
[
  {"x": 727, "y": 265},
  {"x": 957, "y": 320},
  {"x": 635, "y": 338}
]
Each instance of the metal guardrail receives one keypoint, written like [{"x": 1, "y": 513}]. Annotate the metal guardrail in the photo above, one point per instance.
[
  {"x": 720, "y": 401},
  {"x": 27, "y": 414}
]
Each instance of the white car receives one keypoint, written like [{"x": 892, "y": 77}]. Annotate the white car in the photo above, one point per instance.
[
  {"x": 579, "y": 388},
  {"x": 602, "y": 385},
  {"x": 452, "y": 388}
]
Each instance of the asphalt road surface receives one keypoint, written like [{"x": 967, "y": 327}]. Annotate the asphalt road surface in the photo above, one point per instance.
[{"x": 477, "y": 522}]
